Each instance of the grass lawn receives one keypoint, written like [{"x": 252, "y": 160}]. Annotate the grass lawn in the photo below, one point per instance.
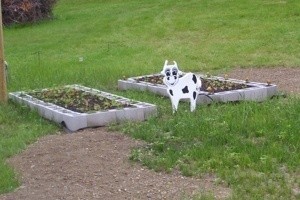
[{"x": 252, "y": 147}]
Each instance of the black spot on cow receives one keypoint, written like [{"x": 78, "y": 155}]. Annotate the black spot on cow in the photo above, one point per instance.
[
  {"x": 185, "y": 90},
  {"x": 194, "y": 78},
  {"x": 171, "y": 92},
  {"x": 195, "y": 95}
]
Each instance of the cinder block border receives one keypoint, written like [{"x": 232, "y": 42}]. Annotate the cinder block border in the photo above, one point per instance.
[
  {"x": 74, "y": 121},
  {"x": 255, "y": 92}
]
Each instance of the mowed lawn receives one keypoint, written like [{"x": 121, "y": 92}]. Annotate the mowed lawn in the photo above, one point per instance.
[{"x": 251, "y": 147}]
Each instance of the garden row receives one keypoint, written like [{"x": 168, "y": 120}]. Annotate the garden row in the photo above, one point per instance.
[{"x": 77, "y": 107}]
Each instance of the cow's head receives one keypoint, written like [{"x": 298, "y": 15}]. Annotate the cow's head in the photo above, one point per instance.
[{"x": 171, "y": 73}]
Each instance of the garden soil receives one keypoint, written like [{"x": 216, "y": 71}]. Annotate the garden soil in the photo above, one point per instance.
[{"x": 94, "y": 163}]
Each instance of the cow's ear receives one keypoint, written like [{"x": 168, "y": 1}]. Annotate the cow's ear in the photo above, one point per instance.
[
  {"x": 179, "y": 72},
  {"x": 166, "y": 63},
  {"x": 175, "y": 63}
]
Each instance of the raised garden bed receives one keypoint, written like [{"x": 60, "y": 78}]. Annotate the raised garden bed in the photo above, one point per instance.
[
  {"x": 214, "y": 89},
  {"x": 77, "y": 107}
]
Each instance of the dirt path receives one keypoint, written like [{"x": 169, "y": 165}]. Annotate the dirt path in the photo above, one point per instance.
[
  {"x": 94, "y": 164},
  {"x": 287, "y": 79}
]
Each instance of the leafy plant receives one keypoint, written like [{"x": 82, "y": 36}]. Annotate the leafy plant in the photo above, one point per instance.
[
  {"x": 211, "y": 85},
  {"x": 76, "y": 100},
  {"x": 26, "y": 11}
]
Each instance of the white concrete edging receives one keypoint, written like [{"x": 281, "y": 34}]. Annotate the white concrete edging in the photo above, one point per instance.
[
  {"x": 74, "y": 121},
  {"x": 256, "y": 92}
]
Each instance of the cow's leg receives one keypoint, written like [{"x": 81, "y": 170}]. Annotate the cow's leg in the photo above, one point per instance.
[
  {"x": 175, "y": 102},
  {"x": 193, "y": 104}
]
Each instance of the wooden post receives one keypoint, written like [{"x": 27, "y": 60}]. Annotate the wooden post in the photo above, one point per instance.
[{"x": 3, "y": 89}]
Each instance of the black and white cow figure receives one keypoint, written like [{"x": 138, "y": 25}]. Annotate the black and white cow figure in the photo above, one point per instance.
[{"x": 185, "y": 87}]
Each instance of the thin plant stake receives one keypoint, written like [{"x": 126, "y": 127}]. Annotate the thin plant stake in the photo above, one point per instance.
[{"x": 3, "y": 88}]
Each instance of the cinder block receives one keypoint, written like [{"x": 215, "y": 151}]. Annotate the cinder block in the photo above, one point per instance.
[
  {"x": 158, "y": 89},
  {"x": 257, "y": 91},
  {"x": 40, "y": 110},
  {"x": 271, "y": 90},
  {"x": 58, "y": 116},
  {"x": 255, "y": 94},
  {"x": 132, "y": 114},
  {"x": 15, "y": 97},
  {"x": 74, "y": 123},
  {"x": 101, "y": 118},
  {"x": 123, "y": 85},
  {"x": 48, "y": 112},
  {"x": 204, "y": 98},
  {"x": 230, "y": 96},
  {"x": 150, "y": 111},
  {"x": 126, "y": 85}
]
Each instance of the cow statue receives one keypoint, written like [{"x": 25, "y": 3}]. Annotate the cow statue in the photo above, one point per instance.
[{"x": 185, "y": 87}]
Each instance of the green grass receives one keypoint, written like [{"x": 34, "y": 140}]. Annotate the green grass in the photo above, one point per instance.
[
  {"x": 253, "y": 147},
  {"x": 18, "y": 128},
  {"x": 124, "y": 38}
]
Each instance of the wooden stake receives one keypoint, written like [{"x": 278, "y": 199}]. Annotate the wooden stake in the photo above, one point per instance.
[{"x": 3, "y": 89}]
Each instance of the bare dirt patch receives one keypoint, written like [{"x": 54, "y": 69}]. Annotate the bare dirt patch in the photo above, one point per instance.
[
  {"x": 287, "y": 79},
  {"x": 94, "y": 164}
]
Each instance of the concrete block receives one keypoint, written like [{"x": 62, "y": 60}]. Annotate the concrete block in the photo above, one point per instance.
[
  {"x": 101, "y": 118},
  {"x": 75, "y": 121},
  {"x": 158, "y": 89},
  {"x": 130, "y": 114},
  {"x": 230, "y": 96},
  {"x": 257, "y": 91},
  {"x": 255, "y": 94},
  {"x": 150, "y": 111}
]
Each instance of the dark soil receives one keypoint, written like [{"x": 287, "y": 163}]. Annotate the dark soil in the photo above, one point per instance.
[
  {"x": 76, "y": 100},
  {"x": 211, "y": 85}
]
